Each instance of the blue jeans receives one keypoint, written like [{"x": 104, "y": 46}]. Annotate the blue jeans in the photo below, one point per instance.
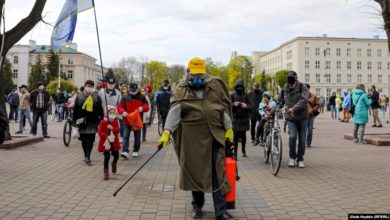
[
  {"x": 121, "y": 127},
  {"x": 24, "y": 114},
  {"x": 297, "y": 130},
  {"x": 333, "y": 111},
  {"x": 218, "y": 198},
  {"x": 39, "y": 113},
  {"x": 126, "y": 139},
  {"x": 60, "y": 111},
  {"x": 309, "y": 136}
]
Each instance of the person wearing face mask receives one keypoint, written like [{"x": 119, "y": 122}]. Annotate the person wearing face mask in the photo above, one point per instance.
[
  {"x": 24, "y": 108},
  {"x": 134, "y": 101},
  {"x": 109, "y": 140},
  {"x": 255, "y": 97},
  {"x": 200, "y": 122},
  {"x": 87, "y": 114},
  {"x": 112, "y": 95},
  {"x": 162, "y": 100},
  {"x": 124, "y": 91},
  {"x": 39, "y": 100},
  {"x": 294, "y": 96},
  {"x": 241, "y": 112},
  {"x": 146, "y": 116},
  {"x": 265, "y": 108},
  {"x": 150, "y": 94}
]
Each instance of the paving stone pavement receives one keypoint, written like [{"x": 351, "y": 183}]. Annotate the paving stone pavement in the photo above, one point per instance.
[{"x": 50, "y": 181}]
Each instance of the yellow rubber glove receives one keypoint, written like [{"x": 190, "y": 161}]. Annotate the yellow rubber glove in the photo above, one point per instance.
[
  {"x": 229, "y": 135},
  {"x": 164, "y": 140}
]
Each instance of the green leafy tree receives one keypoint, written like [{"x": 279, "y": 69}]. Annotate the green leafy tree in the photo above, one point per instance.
[
  {"x": 110, "y": 75},
  {"x": 52, "y": 66},
  {"x": 216, "y": 69},
  {"x": 239, "y": 67},
  {"x": 176, "y": 72},
  {"x": 37, "y": 74},
  {"x": 65, "y": 86},
  {"x": 7, "y": 72},
  {"x": 281, "y": 78},
  {"x": 156, "y": 72}
]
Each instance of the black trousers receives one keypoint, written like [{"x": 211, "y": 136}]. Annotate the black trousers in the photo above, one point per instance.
[
  {"x": 254, "y": 121},
  {"x": 239, "y": 136},
  {"x": 87, "y": 141},
  {"x": 115, "y": 154},
  {"x": 218, "y": 198},
  {"x": 260, "y": 129}
]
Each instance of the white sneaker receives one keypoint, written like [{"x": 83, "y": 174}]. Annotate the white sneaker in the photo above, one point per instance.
[
  {"x": 125, "y": 155},
  {"x": 135, "y": 154},
  {"x": 291, "y": 163},
  {"x": 301, "y": 165}
]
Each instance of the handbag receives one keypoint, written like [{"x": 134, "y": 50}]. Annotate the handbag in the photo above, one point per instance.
[{"x": 135, "y": 120}]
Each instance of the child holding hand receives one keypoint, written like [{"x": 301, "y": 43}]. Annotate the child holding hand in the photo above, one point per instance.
[{"x": 109, "y": 140}]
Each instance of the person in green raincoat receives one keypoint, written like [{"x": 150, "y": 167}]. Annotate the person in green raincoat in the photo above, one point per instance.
[{"x": 200, "y": 122}]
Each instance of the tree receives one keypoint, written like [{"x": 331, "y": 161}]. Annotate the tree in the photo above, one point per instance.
[
  {"x": 37, "y": 74},
  {"x": 216, "y": 69},
  {"x": 176, "y": 72},
  {"x": 13, "y": 36},
  {"x": 385, "y": 6},
  {"x": 51, "y": 88},
  {"x": 120, "y": 75},
  {"x": 110, "y": 75},
  {"x": 239, "y": 67},
  {"x": 264, "y": 80},
  {"x": 131, "y": 67},
  {"x": 156, "y": 72},
  {"x": 281, "y": 78},
  {"x": 7, "y": 71},
  {"x": 51, "y": 66}
]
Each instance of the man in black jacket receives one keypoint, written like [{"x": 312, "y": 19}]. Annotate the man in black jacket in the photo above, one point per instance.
[
  {"x": 39, "y": 100},
  {"x": 255, "y": 97},
  {"x": 375, "y": 106},
  {"x": 294, "y": 96},
  {"x": 332, "y": 102},
  {"x": 162, "y": 100}
]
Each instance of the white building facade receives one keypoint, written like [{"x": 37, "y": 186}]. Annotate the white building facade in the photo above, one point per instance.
[{"x": 331, "y": 64}]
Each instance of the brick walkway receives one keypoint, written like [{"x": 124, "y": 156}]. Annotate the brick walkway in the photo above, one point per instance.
[{"x": 50, "y": 181}]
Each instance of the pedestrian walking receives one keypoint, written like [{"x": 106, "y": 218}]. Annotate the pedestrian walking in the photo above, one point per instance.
[
  {"x": 199, "y": 132},
  {"x": 112, "y": 95},
  {"x": 162, "y": 100},
  {"x": 13, "y": 101},
  {"x": 39, "y": 100},
  {"x": 346, "y": 106},
  {"x": 60, "y": 104},
  {"x": 152, "y": 110},
  {"x": 339, "y": 107},
  {"x": 360, "y": 117},
  {"x": 87, "y": 114},
  {"x": 382, "y": 103},
  {"x": 24, "y": 109},
  {"x": 51, "y": 102},
  {"x": 375, "y": 106},
  {"x": 241, "y": 112},
  {"x": 124, "y": 91},
  {"x": 134, "y": 101},
  {"x": 313, "y": 109},
  {"x": 109, "y": 140},
  {"x": 333, "y": 107},
  {"x": 145, "y": 116},
  {"x": 255, "y": 97},
  {"x": 295, "y": 96},
  {"x": 322, "y": 104}
]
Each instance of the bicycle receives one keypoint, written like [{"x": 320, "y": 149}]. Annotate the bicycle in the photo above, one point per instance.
[
  {"x": 159, "y": 124},
  {"x": 67, "y": 131},
  {"x": 273, "y": 147}
]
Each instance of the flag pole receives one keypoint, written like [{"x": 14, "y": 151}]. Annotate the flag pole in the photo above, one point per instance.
[
  {"x": 59, "y": 70},
  {"x": 100, "y": 55}
]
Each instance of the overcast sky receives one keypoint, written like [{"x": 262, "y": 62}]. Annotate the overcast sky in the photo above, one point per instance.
[{"x": 173, "y": 31}]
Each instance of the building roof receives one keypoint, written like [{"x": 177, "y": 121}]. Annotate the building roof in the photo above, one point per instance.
[{"x": 46, "y": 49}]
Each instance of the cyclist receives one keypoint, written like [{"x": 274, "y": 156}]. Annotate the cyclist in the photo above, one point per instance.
[{"x": 265, "y": 108}]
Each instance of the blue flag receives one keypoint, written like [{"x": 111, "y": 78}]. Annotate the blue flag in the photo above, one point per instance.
[{"x": 65, "y": 26}]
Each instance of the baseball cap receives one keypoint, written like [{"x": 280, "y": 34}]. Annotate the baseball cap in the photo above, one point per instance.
[{"x": 197, "y": 66}]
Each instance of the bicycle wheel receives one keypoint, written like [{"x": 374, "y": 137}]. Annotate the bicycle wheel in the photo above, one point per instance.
[
  {"x": 267, "y": 148},
  {"x": 276, "y": 154},
  {"x": 160, "y": 125},
  {"x": 67, "y": 133}
]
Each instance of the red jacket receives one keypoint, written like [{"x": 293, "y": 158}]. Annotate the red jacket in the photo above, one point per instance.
[
  {"x": 131, "y": 103},
  {"x": 104, "y": 133}
]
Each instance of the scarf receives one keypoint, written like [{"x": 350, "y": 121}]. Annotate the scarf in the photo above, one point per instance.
[{"x": 88, "y": 104}]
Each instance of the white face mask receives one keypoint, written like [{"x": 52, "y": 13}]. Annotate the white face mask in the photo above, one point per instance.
[
  {"x": 112, "y": 117},
  {"x": 41, "y": 87},
  {"x": 89, "y": 90},
  {"x": 111, "y": 86}
]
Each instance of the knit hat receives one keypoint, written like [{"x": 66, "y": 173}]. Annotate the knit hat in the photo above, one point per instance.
[{"x": 111, "y": 107}]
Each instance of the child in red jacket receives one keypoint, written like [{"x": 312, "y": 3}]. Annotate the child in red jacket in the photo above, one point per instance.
[{"x": 109, "y": 140}]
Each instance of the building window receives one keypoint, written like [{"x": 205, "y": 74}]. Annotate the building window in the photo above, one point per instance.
[
  {"x": 338, "y": 78},
  {"x": 349, "y": 78},
  {"x": 307, "y": 52},
  {"x": 318, "y": 92},
  {"x": 307, "y": 78},
  {"x": 328, "y": 92},
  {"x": 16, "y": 59},
  {"x": 349, "y": 65},
  {"x": 318, "y": 78},
  {"x": 359, "y": 65},
  {"x": 369, "y": 52},
  {"x": 70, "y": 74},
  {"x": 369, "y": 78},
  {"x": 15, "y": 74},
  {"x": 70, "y": 61},
  {"x": 380, "y": 91},
  {"x": 318, "y": 64},
  {"x": 327, "y": 65},
  {"x": 317, "y": 51},
  {"x": 379, "y": 52},
  {"x": 307, "y": 64},
  {"x": 327, "y": 78},
  {"x": 349, "y": 52},
  {"x": 327, "y": 52},
  {"x": 338, "y": 52},
  {"x": 359, "y": 78},
  {"x": 338, "y": 65},
  {"x": 379, "y": 78},
  {"x": 379, "y": 65},
  {"x": 369, "y": 65},
  {"x": 359, "y": 52},
  {"x": 289, "y": 66},
  {"x": 289, "y": 54}
]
